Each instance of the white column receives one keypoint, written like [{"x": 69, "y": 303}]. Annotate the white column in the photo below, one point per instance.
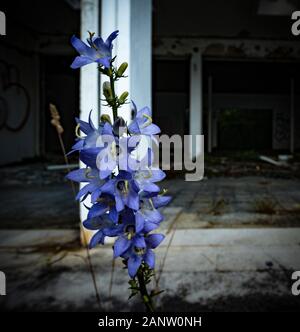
[
  {"x": 89, "y": 76},
  {"x": 210, "y": 127},
  {"x": 133, "y": 45},
  {"x": 141, "y": 52},
  {"x": 195, "y": 101}
]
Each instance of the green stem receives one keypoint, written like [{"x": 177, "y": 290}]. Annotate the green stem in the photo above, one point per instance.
[
  {"x": 146, "y": 298},
  {"x": 114, "y": 105}
]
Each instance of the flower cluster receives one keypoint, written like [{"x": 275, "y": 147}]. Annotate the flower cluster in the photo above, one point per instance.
[{"x": 125, "y": 198}]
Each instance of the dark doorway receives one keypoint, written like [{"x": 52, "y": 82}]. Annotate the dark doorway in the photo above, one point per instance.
[
  {"x": 243, "y": 129},
  {"x": 171, "y": 95}
]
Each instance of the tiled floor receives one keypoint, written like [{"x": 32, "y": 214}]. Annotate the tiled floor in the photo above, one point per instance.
[{"x": 45, "y": 200}]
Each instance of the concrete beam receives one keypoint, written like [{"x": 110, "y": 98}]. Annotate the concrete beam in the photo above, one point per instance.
[{"x": 233, "y": 48}]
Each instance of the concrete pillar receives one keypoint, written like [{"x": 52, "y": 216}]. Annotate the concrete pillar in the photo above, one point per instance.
[
  {"x": 196, "y": 102},
  {"x": 210, "y": 125},
  {"x": 133, "y": 45},
  {"x": 89, "y": 76}
]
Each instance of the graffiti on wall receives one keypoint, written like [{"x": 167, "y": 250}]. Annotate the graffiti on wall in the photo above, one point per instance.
[{"x": 14, "y": 99}]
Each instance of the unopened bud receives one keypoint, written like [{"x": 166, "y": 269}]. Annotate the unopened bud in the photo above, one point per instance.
[
  {"x": 123, "y": 97},
  {"x": 119, "y": 127},
  {"x": 121, "y": 69},
  {"x": 107, "y": 90},
  {"x": 105, "y": 118}
]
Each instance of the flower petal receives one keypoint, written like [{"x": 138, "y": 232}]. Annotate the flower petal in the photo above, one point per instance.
[
  {"x": 97, "y": 210},
  {"x": 160, "y": 201},
  {"x": 81, "y": 61},
  {"x": 89, "y": 156},
  {"x": 111, "y": 37},
  {"x": 104, "y": 61},
  {"x": 157, "y": 175},
  {"x": 134, "y": 263},
  {"x": 84, "y": 190},
  {"x": 154, "y": 240},
  {"x": 151, "y": 129},
  {"x": 97, "y": 238},
  {"x": 93, "y": 223},
  {"x": 149, "y": 258},
  {"x": 150, "y": 226},
  {"x": 81, "y": 47},
  {"x": 95, "y": 195},
  {"x": 150, "y": 187},
  {"x": 133, "y": 200},
  {"x": 121, "y": 245},
  {"x": 139, "y": 222},
  {"x": 79, "y": 175},
  {"x": 139, "y": 241}
]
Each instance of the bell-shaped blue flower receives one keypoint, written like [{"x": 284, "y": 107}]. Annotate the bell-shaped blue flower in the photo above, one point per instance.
[
  {"x": 97, "y": 51},
  {"x": 140, "y": 250}
]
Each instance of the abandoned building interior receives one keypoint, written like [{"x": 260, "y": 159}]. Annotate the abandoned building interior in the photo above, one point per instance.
[
  {"x": 229, "y": 70},
  {"x": 248, "y": 81}
]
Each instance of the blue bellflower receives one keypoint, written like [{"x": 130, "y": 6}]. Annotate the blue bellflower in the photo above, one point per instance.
[
  {"x": 97, "y": 51},
  {"x": 124, "y": 200}
]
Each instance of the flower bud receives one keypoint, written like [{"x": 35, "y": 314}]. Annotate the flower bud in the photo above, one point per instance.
[
  {"x": 123, "y": 97},
  {"x": 119, "y": 127},
  {"x": 121, "y": 69},
  {"x": 105, "y": 118},
  {"x": 107, "y": 90}
]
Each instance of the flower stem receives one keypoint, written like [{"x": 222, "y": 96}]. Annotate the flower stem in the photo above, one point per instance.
[
  {"x": 146, "y": 298},
  {"x": 112, "y": 86}
]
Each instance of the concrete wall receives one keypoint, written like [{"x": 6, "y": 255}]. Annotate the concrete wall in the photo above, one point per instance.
[
  {"x": 21, "y": 66},
  {"x": 35, "y": 29},
  {"x": 217, "y": 18}
]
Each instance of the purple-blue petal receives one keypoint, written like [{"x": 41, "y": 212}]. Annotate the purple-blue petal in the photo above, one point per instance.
[
  {"x": 79, "y": 175},
  {"x": 150, "y": 187},
  {"x": 97, "y": 210},
  {"x": 93, "y": 223},
  {"x": 96, "y": 239},
  {"x": 81, "y": 61},
  {"x": 150, "y": 226},
  {"x": 81, "y": 47},
  {"x": 149, "y": 258},
  {"x": 104, "y": 61},
  {"x": 134, "y": 263},
  {"x": 160, "y": 201},
  {"x": 120, "y": 246},
  {"x": 139, "y": 222},
  {"x": 111, "y": 37},
  {"x": 133, "y": 200},
  {"x": 139, "y": 241},
  {"x": 85, "y": 127},
  {"x": 95, "y": 195},
  {"x": 89, "y": 156},
  {"x": 84, "y": 190},
  {"x": 154, "y": 240}
]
